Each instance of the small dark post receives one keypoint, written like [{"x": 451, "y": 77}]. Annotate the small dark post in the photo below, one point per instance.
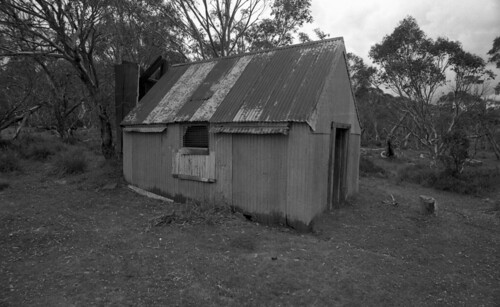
[
  {"x": 126, "y": 95},
  {"x": 428, "y": 205}
]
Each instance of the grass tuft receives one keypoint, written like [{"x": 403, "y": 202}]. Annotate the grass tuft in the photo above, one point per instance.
[
  {"x": 416, "y": 173},
  {"x": 4, "y": 185},
  {"x": 367, "y": 167},
  {"x": 245, "y": 242},
  {"x": 38, "y": 148},
  {"x": 70, "y": 162},
  {"x": 5, "y": 144},
  {"x": 9, "y": 162}
]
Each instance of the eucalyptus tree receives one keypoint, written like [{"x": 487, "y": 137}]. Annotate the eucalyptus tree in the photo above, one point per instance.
[
  {"x": 217, "y": 28},
  {"x": 415, "y": 67},
  {"x": 66, "y": 30}
]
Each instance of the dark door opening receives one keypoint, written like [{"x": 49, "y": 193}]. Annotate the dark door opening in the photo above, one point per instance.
[{"x": 337, "y": 169}]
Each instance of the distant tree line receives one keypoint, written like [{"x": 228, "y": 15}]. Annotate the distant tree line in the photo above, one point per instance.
[
  {"x": 426, "y": 93},
  {"x": 57, "y": 56}
]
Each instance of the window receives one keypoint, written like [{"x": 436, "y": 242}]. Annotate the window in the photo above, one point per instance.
[
  {"x": 196, "y": 137},
  {"x": 194, "y": 161}
]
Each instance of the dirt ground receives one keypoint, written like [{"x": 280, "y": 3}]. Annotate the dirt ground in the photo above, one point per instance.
[{"x": 68, "y": 241}]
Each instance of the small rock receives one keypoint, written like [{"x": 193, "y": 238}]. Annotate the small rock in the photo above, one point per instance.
[
  {"x": 274, "y": 258},
  {"x": 62, "y": 181}
]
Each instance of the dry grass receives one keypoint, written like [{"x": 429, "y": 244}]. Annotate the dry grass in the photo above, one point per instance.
[
  {"x": 70, "y": 162},
  {"x": 71, "y": 243}
]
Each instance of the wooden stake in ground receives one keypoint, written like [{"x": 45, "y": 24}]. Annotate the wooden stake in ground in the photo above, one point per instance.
[{"x": 428, "y": 205}]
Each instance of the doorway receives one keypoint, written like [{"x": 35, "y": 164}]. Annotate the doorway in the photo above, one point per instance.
[{"x": 337, "y": 167}]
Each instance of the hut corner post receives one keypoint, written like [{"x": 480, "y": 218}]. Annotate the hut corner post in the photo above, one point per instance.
[{"x": 126, "y": 96}]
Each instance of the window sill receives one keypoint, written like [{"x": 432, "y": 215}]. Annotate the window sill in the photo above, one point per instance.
[
  {"x": 193, "y": 178},
  {"x": 194, "y": 151}
]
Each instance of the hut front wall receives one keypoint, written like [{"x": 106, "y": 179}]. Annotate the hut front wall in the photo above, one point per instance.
[
  {"x": 353, "y": 164},
  {"x": 337, "y": 102},
  {"x": 337, "y": 105}
]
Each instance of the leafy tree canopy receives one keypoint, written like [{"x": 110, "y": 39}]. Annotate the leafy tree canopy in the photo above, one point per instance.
[{"x": 495, "y": 52}]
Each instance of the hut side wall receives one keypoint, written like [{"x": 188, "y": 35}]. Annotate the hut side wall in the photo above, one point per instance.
[
  {"x": 223, "y": 146},
  {"x": 148, "y": 164},
  {"x": 144, "y": 164},
  {"x": 259, "y": 175},
  {"x": 307, "y": 172}
]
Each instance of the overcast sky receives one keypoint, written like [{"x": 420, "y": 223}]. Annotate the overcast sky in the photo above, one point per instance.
[{"x": 362, "y": 23}]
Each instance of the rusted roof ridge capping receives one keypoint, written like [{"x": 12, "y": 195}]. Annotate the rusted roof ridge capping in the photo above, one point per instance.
[
  {"x": 268, "y": 86},
  {"x": 333, "y": 39}
]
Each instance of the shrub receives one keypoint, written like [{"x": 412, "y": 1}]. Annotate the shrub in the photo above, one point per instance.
[
  {"x": 37, "y": 148},
  {"x": 71, "y": 140},
  {"x": 456, "y": 147},
  {"x": 9, "y": 162},
  {"x": 38, "y": 151},
  {"x": 366, "y": 166},
  {"x": 470, "y": 182},
  {"x": 70, "y": 162},
  {"x": 5, "y": 144}
]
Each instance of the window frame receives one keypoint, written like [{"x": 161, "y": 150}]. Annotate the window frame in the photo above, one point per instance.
[{"x": 185, "y": 150}]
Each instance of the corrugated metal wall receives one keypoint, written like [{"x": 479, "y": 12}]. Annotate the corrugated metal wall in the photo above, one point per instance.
[
  {"x": 307, "y": 169},
  {"x": 337, "y": 102},
  {"x": 275, "y": 175},
  {"x": 353, "y": 164},
  {"x": 147, "y": 160},
  {"x": 223, "y": 146},
  {"x": 144, "y": 159},
  {"x": 260, "y": 173}
]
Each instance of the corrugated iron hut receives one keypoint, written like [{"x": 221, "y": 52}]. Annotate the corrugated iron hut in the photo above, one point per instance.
[{"x": 273, "y": 133}]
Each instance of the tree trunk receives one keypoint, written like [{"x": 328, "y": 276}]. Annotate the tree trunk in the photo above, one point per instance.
[
  {"x": 107, "y": 146},
  {"x": 375, "y": 129},
  {"x": 496, "y": 148}
]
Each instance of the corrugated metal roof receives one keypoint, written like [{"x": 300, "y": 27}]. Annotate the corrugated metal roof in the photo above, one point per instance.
[{"x": 278, "y": 85}]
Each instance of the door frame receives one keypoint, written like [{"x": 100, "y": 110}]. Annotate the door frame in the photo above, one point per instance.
[{"x": 338, "y": 171}]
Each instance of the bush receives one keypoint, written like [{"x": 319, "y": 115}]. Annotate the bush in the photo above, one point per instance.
[
  {"x": 37, "y": 148},
  {"x": 9, "y": 162},
  {"x": 71, "y": 140},
  {"x": 366, "y": 167},
  {"x": 5, "y": 144},
  {"x": 38, "y": 151},
  {"x": 470, "y": 182},
  {"x": 456, "y": 151},
  {"x": 70, "y": 162},
  {"x": 417, "y": 173}
]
